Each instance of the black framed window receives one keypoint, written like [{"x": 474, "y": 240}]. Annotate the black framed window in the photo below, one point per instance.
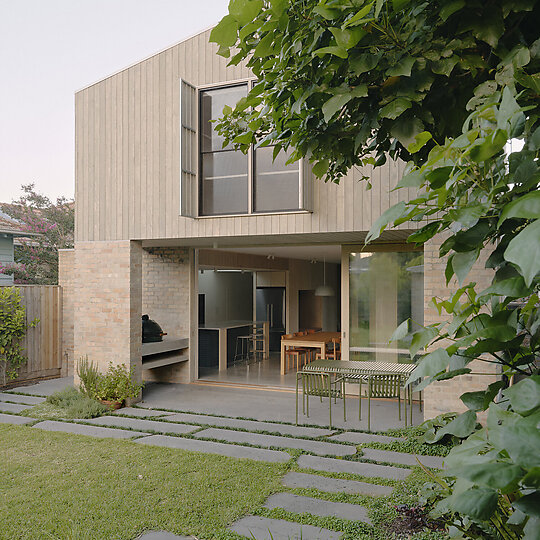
[{"x": 232, "y": 182}]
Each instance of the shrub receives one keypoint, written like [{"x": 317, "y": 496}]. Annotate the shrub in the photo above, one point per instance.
[
  {"x": 89, "y": 376},
  {"x": 117, "y": 384},
  {"x": 69, "y": 403}
]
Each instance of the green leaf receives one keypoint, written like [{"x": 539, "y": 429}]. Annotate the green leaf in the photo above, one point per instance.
[
  {"x": 320, "y": 168},
  {"x": 401, "y": 331},
  {"x": 449, "y": 8},
  {"x": 395, "y": 108},
  {"x": 245, "y": 11},
  {"x": 419, "y": 142},
  {"x": 527, "y": 207},
  {"x": 398, "y": 5},
  {"x": 480, "y": 400},
  {"x": 529, "y": 504},
  {"x": 487, "y": 148},
  {"x": 512, "y": 287},
  {"x": 524, "y": 251},
  {"x": 460, "y": 427},
  {"x": 444, "y": 66},
  {"x": 478, "y": 503},
  {"x": 336, "y": 51},
  {"x": 402, "y": 68},
  {"x": 334, "y": 105},
  {"x": 265, "y": 47},
  {"x": 463, "y": 262},
  {"x": 522, "y": 440},
  {"x": 532, "y": 478},
  {"x": 225, "y": 32},
  {"x": 532, "y": 529},
  {"x": 393, "y": 213},
  {"x": 431, "y": 364},
  {"x": 414, "y": 179},
  {"x": 327, "y": 13},
  {"x": 425, "y": 233},
  {"x": 525, "y": 395},
  {"x": 359, "y": 15},
  {"x": 498, "y": 475},
  {"x": 364, "y": 63}
]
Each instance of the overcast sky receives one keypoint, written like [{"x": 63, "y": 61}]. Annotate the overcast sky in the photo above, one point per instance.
[{"x": 51, "y": 48}]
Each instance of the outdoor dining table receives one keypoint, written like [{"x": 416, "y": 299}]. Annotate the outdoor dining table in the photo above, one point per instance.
[
  {"x": 353, "y": 370},
  {"x": 317, "y": 340}
]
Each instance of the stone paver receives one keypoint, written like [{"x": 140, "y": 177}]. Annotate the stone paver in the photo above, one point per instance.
[
  {"x": 17, "y": 398},
  {"x": 261, "y": 528},
  {"x": 317, "y": 447},
  {"x": 142, "y": 413},
  {"x": 402, "y": 458},
  {"x": 334, "y": 485},
  {"x": 208, "y": 447},
  {"x": 162, "y": 535},
  {"x": 363, "y": 438},
  {"x": 318, "y": 507},
  {"x": 13, "y": 407},
  {"x": 12, "y": 419},
  {"x": 141, "y": 424},
  {"x": 352, "y": 467},
  {"x": 93, "y": 431},
  {"x": 251, "y": 425}
]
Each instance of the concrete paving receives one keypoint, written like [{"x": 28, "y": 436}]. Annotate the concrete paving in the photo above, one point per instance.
[
  {"x": 13, "y": 407},
  {"x": 261, "y": 528},
  {"x": 282, "y": 429},
  {"x": 363, "y": 438},
  {"x": 141, "y": 413},
  {"x": 334, "y": 485},
  {"x": 17, "y": 398},
  {"x": 209, "y": 447},
  {"x": 45, "y": 388},
  {"x": 141, "y": 424},
  {"x": 266, "y": 405},
  {"x": 352, "y": 467},
  {"x": 435, "y": 462},
  {"x": 162, "y": 535},
  {"x": 13, "y": 419},
  {"x": 92, "y": 431},
  {"x": 317, "y": 447},
  {"x": 318, "y": 507}
]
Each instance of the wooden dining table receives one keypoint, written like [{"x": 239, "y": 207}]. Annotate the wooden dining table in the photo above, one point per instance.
[{"x": 318, "y": 340}]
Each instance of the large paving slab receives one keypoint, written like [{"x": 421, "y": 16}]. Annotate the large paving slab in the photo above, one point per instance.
[
  {"x": 18, "y": 398},
  {"x": 12, "y": 419},
  {"x": 162, "y": 535},
  {"x": 141, "y": 424},
  {"x": 402, "y": 458},
  {"x": 209, "y": 447},
  {"x": 317, "y": 447},
  {"x": 92, "y": 431},
  {"x": 363, "y": 438},
  {"x": 334, "y": 485},
  {"x": 318, "y": 507},
  {"x": 250, "y": 425},
  {"x": 261, "y": 528},
  {"x": 352, "y": 467},
  {"x": 13, "y": 407},
  {"x": 142, "y": 413}
]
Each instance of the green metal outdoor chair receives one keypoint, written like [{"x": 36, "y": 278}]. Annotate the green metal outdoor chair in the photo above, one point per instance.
[
  {"x": 384, "y": 386},
  {"x": 323, "y": 385}
]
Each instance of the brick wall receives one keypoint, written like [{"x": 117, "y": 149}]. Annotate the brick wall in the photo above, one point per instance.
[
  {"x": 166, "y": 299},
  {"x": 443, "y": 396},
  {"x": 66, "y": 279},
  {"x": 107, "y": 303}
]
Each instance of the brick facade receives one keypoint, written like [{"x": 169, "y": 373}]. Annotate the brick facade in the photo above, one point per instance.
[
  {"x": 443, "y": 396},
  {"x": 107, "y": 303},
  {"x": 66, "y": 279}
]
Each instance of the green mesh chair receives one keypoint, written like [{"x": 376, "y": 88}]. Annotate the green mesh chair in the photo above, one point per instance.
[
  {"x": 322, "y": 385},
  {"x": 385, "y": 386}
]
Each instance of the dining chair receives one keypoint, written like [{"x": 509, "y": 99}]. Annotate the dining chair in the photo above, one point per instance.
[
  {"x": 384, "y": 386},
  {"x": 295, "y": 353},
  {"x": 322, "y": 385},
  {"x": 333, "y": 350}
]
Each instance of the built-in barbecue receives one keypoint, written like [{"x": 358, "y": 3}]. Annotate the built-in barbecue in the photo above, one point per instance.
[{"x": 151, "y": 331}]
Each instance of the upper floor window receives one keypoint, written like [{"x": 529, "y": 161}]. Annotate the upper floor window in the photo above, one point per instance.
[{"x": 235, "y": 183}]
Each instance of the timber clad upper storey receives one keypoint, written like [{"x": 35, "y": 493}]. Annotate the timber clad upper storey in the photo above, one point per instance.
[{"x": 148, "y": 165}]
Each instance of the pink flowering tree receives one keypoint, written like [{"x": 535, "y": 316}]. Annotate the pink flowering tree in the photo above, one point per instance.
[{"x": 36, "y": 257}]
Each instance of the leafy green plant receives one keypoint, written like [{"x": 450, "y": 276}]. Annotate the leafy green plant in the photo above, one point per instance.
[
  {"x": 117, "y": 384},
  {"x": 89, "y": 376},
  {"x": 13, "y": 327}
]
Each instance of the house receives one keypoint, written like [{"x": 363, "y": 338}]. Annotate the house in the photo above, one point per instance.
[
  {"x": 170, "y": 224},
  {"x": 10, "y": 230}
]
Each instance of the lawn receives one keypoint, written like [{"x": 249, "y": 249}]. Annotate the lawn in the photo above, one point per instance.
[{"x": 61, "y": 486}]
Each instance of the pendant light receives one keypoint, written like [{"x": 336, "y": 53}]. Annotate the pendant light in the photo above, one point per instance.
[{"x": 324, "y": 289}]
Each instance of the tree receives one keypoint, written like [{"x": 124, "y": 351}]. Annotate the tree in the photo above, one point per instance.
[
  {"x": 444, "y": 85},
  {"x": 36, "y": 257}
]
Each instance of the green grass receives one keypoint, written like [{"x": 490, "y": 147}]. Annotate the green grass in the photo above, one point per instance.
[{"x": 62, "y": 486}]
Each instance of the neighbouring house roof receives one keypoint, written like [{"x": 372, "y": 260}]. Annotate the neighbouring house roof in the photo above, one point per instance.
[{"x": 11, "y": 226}]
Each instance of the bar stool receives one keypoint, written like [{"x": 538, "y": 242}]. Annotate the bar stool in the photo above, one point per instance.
[{"x": 242, "y": 348}]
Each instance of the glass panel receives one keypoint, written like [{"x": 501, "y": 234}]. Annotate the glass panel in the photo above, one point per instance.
[
  {"x": 276, "y": 184},
  {"x": 212, "y": 103},
  {"x": 384, "y": 290},
  {"x": 224, "y": 183}
]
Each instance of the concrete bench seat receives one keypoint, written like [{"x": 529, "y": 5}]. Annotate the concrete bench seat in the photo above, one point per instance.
[{"x": 161, "y": 353}]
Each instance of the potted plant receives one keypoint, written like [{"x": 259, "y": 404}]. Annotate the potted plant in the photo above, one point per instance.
[{"x": 117, "y": 385}]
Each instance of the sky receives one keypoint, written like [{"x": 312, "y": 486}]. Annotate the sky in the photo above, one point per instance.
[{"x": 49, "y": 49}]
